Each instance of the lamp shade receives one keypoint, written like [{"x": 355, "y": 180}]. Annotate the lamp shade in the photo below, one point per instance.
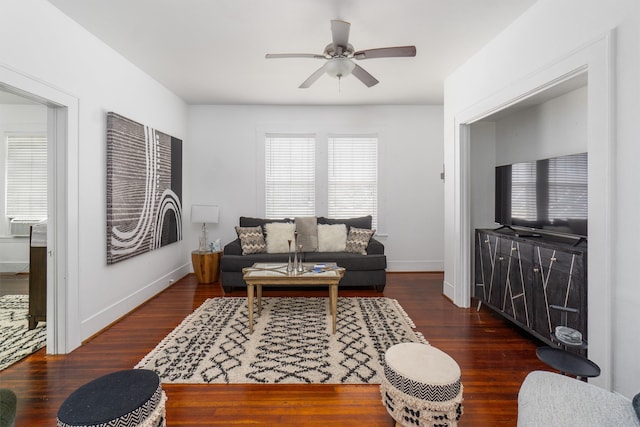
[
  {"x": 339, "y": 67},
  {"x": 205, "y": 214}
]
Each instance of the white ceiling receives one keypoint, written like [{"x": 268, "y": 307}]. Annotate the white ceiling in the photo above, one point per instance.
[{"x": 212, "y": 51}]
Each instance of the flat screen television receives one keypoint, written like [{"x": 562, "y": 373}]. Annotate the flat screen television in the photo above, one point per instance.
[{"x": 548, "y": 194}]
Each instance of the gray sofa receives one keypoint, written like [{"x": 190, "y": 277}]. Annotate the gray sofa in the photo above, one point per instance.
[
  {"x": 548, "y": 399},
  {"x": 360, "y": 270}
]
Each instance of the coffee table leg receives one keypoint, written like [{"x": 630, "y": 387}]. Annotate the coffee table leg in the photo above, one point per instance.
[
  {"x": 333, "y": 300},
  {"x": 259, "y": 292},
  {"x": 250, "y": 306}
]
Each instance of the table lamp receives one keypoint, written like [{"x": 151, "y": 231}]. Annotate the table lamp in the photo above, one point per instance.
[{"x": 204, "y": 214}]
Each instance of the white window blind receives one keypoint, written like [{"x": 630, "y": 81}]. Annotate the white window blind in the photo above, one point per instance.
[
  {"x": 290, "y": 176},
  {"x": 353, "y": 177},
  {"x": 26, "y": 177}
]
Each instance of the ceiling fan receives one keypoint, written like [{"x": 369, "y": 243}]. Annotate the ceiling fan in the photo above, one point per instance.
[{"x": 340, "y": 54}]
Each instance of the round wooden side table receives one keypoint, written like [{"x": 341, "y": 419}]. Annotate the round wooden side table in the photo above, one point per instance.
[{"x": 206, "y": 265}]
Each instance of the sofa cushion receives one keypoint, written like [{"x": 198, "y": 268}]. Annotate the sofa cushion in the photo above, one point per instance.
[
  {"x": 246, "y": 221},
  {"x": 332, "y": 237},
  {"x": 278, "y": 236},
  {"x": 351, "y": 262},
  {"x": 307, "y": 229},
  {"x": 251, "y": 240},
  {"x": 360, "y": 222},
  {"x": 368, "y": 278},
  {"x": 237, "y": 262},
  {"x": 358, "y": 240}
]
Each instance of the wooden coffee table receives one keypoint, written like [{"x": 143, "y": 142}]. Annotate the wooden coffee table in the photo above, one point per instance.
[{"x": 275, "y": 274}]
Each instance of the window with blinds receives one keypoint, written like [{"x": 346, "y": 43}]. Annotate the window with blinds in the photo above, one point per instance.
[
  {"x": 290, "y": 176},
  {"x": 26, "y": 182},
  {"x": 353, "y": 177}
]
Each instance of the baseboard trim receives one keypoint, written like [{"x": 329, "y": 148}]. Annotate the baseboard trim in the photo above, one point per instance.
[
  {"x": 393, "y": 266},
  {"x": 448, "y": 290},
  {"x": 107, "y": 317}
]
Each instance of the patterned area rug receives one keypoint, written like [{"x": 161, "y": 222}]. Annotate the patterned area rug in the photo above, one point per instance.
[
  {"x": 291, "y": 343},
  {"x": 16, "y": 340}
]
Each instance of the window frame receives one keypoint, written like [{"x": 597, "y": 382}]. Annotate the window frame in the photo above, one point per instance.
[
  {"x": 321, "y": 166},
  {"x": 364, "y": 178},
  {"x": 307, "y": 156}
]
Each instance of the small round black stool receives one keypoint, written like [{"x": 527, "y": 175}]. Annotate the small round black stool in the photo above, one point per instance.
[{"x": 121, "y": 399}]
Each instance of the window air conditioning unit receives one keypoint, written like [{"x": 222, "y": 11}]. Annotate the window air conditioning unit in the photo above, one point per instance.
[{"x": 21, "y": 226}]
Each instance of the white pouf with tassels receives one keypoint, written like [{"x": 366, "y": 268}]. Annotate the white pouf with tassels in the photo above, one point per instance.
[{"x": 421, "y": 386}]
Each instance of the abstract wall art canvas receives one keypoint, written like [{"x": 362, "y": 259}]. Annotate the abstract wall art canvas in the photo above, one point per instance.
[{"x": 144, "y": 189}]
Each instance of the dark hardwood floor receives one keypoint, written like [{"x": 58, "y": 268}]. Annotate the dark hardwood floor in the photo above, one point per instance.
[{"x": 494, "y": 357}]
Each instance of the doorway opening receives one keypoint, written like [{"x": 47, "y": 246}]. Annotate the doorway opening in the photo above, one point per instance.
[
  {"x": 23, "y": 207},
  {"x": 61, "y": 130}
]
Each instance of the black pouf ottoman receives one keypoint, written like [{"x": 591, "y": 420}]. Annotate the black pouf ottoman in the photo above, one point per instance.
[{"x": 121, "y": 399}]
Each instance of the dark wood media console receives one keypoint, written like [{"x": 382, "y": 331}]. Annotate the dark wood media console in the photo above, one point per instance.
[
  {"x": 37, "y": 283},
  {"x": 538, "y": 282}
]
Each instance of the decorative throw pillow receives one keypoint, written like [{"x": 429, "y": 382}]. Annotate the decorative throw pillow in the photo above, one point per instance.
[
  {"x": 332, "y": 238},
  {"x": 251, "y": 240},
  {"x": 358, "y": 240},
  {"x": 307, "y": 229},
  {"x": 278, "y": 235}
]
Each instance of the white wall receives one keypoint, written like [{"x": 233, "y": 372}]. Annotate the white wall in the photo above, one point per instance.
[
  {"x": 550, "y": 40},
  {"x": 42, "y": 44},
  {"x": 223, "y": 153},
  {"x": 554, "y": 128},
  {"x": 30, "y": 119}
]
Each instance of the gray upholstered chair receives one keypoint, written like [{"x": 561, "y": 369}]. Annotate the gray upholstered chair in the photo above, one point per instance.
[
  {"x": 548, "y": 399},
  {"x": 8, "y": 401}
]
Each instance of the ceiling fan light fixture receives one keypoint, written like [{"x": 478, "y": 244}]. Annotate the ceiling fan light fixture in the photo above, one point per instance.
[
  {"x": 340, "y": 54},
  {"x": 339, "y": 67}
]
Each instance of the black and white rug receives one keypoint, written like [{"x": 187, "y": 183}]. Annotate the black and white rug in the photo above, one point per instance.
[
  {"x": 16, "y": 340},
  {"x": 291, "y": 343}
]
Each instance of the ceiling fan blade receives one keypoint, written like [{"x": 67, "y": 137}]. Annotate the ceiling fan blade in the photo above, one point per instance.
[
  {"x": 312, "y": 78},
  {"x": 340, "y": 33},
  {"x": 386, "y": 52},
  {"x": 364, "y": 76},
  {"x": 293, "y": 55}
]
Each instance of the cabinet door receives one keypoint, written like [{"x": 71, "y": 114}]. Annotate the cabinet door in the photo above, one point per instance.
[
  {"x": 488, "y": 272},
  {"x": 516, "y": 298},
  {"x": 558, "y": 281}
]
